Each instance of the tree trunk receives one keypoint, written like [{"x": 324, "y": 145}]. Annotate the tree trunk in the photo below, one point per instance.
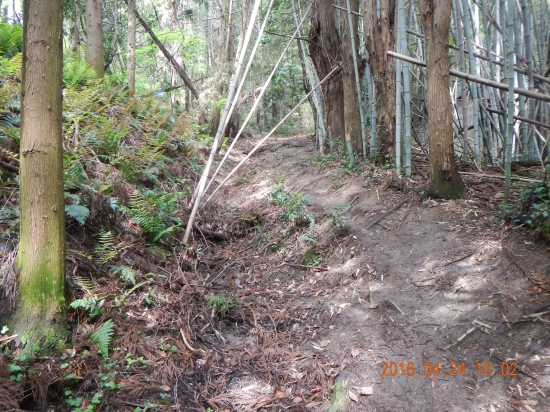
[
  {"x": 324, "y": 50},
  {"x": 131, "y": 58},
  {"x": 40, "y": 264},
  {"x": 352, "y": 117},
  {"x": 380, "y": 37},
  {"x": 444, "y": 180},
  {"x": 94, "y": 36}
]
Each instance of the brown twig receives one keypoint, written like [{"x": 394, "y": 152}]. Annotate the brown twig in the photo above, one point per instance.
[{"x": 389, "y": 212}]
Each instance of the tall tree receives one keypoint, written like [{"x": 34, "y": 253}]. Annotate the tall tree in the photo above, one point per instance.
[
  {"x": 94, "y": 36},
  {"x": 379, "y": 19},
  {"x": 444, "y": 180},
  {"x": 325, "y": 52},
  {"x": 131, "y": 54},
  {"x": 40, "y": 263}
]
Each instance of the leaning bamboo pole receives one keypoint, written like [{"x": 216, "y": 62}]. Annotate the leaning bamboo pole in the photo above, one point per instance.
[
  {"x": 260, "y": 94},
  {"x": 230, "y": 103},
  {"x": 261, "y": 142},
  {"x": 501, "y": 86}
]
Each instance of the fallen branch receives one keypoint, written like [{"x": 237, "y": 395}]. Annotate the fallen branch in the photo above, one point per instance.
[
  {"x": 521, "y": 179},
  {"x": 389, "y": 212},
  {"x": 319, "y": 268},
  {"x": 462, "y": 258},
  {"x": 9, "y": 167}
]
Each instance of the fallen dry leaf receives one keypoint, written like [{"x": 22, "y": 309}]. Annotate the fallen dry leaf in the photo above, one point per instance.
[
  {"x": 373, "y": 305},
  {"x": 353, "y": 396},
  {"x": 365, "y": 390}
]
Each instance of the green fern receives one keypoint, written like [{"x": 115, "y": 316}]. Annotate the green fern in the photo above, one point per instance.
[
  {"x": 127, "y": 274},
  {"x": 78, "y": 212},
  {"x": 102, "y": 337},
  {"x": 89, "y": 287},
  {"x": 106, "y": 249}
]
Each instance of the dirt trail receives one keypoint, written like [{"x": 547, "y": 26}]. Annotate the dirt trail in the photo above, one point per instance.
[{"x": 431, "y": 287}]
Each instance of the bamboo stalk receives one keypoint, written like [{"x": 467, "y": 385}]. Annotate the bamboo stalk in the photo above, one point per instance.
[
  {"x": 398, "y": 88},
  {"x": 474, "y": 71},
  {"x": 357, "y": 80},
  {"x": 510, "y": 116}
]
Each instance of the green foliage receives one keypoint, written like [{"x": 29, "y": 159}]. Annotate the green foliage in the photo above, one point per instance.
[
  {"x": 77, "y": 73},
  {"x": 102, "y": 337},
  {"x": 155, "y": 212},
  {"x": 127, "y": 274},
  {"x": 106, "y": 249},
  {"x": 91, "y": 305},
  {"x": 337, "y": 214},
  {"x": 11, "y": 39},
  {"x": 221, "y": 302},
  {"x": 311, "y": 258},
  {"x": 536, "y": 211},
  {"x": 78, "y": 212},
  {"x": 293, "y": 204}
]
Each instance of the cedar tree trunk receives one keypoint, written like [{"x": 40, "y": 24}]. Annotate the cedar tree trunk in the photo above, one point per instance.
[
  {"x": 380, "y": 37},
  {"x": 94, "y": 36},
  {"x": 444, "y": 180},
  {"x": 324, "y": 50},
  {"x": 40, "y": 263},
  {"x": 131, "y": 58}
]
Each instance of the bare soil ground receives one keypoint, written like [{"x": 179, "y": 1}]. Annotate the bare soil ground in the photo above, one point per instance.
[
  {"x": 431, "y": 309},
  {"x": 288, "y": 305}
]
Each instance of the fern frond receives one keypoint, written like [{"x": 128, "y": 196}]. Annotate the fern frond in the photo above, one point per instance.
[
  {"x": 127, "y": 274},
  {"x": 89, "y": 286},
  {"x": 106, "y": 248},
  {"x": 78, "y": 212},
  {"x": 102, "y": 337}
]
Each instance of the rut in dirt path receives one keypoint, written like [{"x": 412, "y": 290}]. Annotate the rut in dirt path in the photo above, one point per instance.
[{"x": 420, "y": 306}]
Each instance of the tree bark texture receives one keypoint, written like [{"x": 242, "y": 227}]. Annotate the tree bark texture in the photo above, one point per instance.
[
  {"x": 94, "y": 36},
  {"x": 40, "y": 263},
  {"x": 324, "y": 50},
  {"x": 131, "y": 57},
  {"x": 380, "y": 37},
  {"x": 352, "y": 117},
  {"x": 444, "y": 180}
]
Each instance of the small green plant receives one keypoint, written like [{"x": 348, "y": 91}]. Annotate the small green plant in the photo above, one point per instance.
[
  {"x": 127, "y": 274},
  {"x": 337, "y": 181},
  {"x": 89, "y": 304},
  {"x": 311, "y": 258},
  {"x": 141, "y": 361},
  {"x": 293, "y": 204},
  {"x": 102, "y": 337},
  {"x": 536, "y": 211},
  {"x": 337, "y": 215},
  {"x": 221, "y": 302}
]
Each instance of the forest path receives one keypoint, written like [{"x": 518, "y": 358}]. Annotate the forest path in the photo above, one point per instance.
[{"x": 431, "y": 287}]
